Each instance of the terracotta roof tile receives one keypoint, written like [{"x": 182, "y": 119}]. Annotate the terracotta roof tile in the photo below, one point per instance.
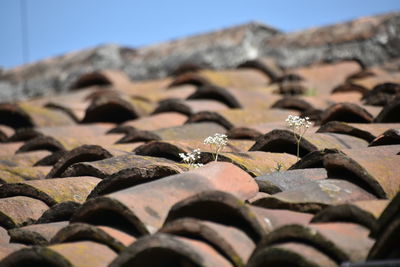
[
  {"x": 22, "y": 173},
  {"x": 83, "y": 253},
  {"x": 280, "y": 181},
  {"x": 25, "y": 115},
  {"x": 366, "y": 131},
  {"x": 255, "y": 163},
  {"x": 241, "y": 117},
  {"x": 8, "y": 248},
  {"x": 24, "y": 159},
  {"x": 365, "y": 213},
  {"x": 59, "y": 212},
  {"x": 336, "y": 240},
  {"x": 113, "y": 238},
  {"x": 222, "y": 208},
  {"x": 313, "y": 197},
  {"x": 157, "y": 121},
  {"x": 36, "y": 234},
  {"x": 283, "y": 141},
  {"x": 290, "y": 253},
  {"x": 52, "y": 191},
  {"x": 148, "y": 218},
  {"x": 130, "y": 163},
  {"x": 19, "y": 211},
  {"x": 170, "y": 250}
]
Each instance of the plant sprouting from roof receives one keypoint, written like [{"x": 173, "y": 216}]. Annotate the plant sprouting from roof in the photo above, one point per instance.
[
  {"x": 299, "y": 127},
  {"x": 191, "y": 158},
  {"x": 217, "y": 143}
]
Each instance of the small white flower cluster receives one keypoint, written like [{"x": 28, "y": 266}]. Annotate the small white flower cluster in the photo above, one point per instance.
[
  {"x": 191, "y": 158},
  {"x": 297, "y": 122},
  {"x": 218, "y": 141},
  {"x": 299, "y": 127}
]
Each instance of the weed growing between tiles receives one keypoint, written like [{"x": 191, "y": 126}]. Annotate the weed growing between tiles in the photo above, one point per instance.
[{"x": 299, "y": 127}]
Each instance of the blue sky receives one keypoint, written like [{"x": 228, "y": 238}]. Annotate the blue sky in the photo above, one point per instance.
[{"x": 56, "y": 27}]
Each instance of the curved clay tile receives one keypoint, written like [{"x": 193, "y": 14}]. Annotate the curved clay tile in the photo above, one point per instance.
[
  {"x": 114, "y": 239},
  {"x": 157, "y": 121},
  {"x": 170, "y": 149},
  {"x": 140, "y": 210},
  {"x": 236, "y": 78},
  {"x": 60, "y": 212},
  {"x": 111, "y": 109},
  {"x": 387, "y": 232},
  {"x": 363, "y": 167},
  {"x": 133, "y": 135},
  {"x": 188, "y": 67},
  {"x": 236, "y": 98},
  {"x": 390, "y": 113},
  {"x": 13, "y": 116},
  {"x": 292, "y": 254},
  {"x": 188, "y": 107},
  {"x": 389, "y": 215},
  {"x": 26, "y": 159},
  {"x": 19, "y": 211},
  {"x": 117, "y": 79},
  {"x": 276, "y": 218},
  {"x": 266, "y": 65},
  {"x": 366, "y": 131},
  {"x": 382, "y": 94},
  {"x": 73, "y": 110},
  {"x": 191, "y": 78},
  {"x": 52, "y": 191},
  {"x": 199, "y": 130},
  {"x": 346, "y": 112},
  {"x": 295, "y": 103},
  {"x": 283, "y": 141},
  {"x": 235, "y": 245},
  {"x": 71, "y": 131},
  {"x": 36, "y": 234},
  {"x": 187, "y": 131},
  {"x": 51, "y": 159},
  {"x": 241, "y": 133},
  {"x": 83, "y": 253},
  {"x": 339, "y": 241},
  {"x": 129, "y": 162},
  {"x": 242, "y": 117},
  {"x": 168, "y": 250},
  {"x": 280, "y": 181},
  {"x": 83, "y": 153},
  {"x": 315, "y": 196},
  {"x": 364, "y": 213},
  {"x": 255, "y": 163},
  {"x": 324, "y": 76},
  {"x": 4, "y": 237},
  {"x": 129, "y": 177},
  {"x": 350, "y": 87},
  {"x": 8, "y": 248},
  {"x": 42, "y": 143},
  {"x": 216, "y": 93},
  {"x": 373, "y": 168},
  {"x": 22, "y": 173},
  {"x": 222, "y": 208},
  {"x": 211, "y": 116},
  {"x": 389, "y": 137},
  {"x": 386, "y": 245}
]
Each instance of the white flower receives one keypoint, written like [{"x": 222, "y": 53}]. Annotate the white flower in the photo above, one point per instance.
[
  {"x": 297, "y": 122},
  {"x": 299, "y": 127},
  {"x": 218, "y": 141},
  {"x": 191, "y": 157}
]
